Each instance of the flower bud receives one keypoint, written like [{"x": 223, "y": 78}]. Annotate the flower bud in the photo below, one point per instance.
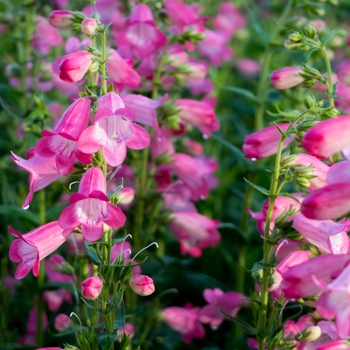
[
  {"x": 142, "y": 285},
  {"x": 62, "y": 322},
  {"x": 311, "y": 31},
  {"x": 286, "y": 78},
  {"x": 74, "y": 66},
  {"x": 91, "y": 288},
  {"x": 309, "y": 334},
  {"x": 89, "y": 26},
  {"x": 126, "y": 196},
  {"x": 290, "y": 45},
  {"x": 61, "y": 18},
  {"x": 59, "y": 264}
]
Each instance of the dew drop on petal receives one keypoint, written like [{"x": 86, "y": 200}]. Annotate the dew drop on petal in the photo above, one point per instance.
[{"x": 26, "y": 207}]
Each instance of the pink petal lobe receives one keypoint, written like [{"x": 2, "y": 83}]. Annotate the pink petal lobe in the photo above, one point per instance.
[{"x": 139, "y": 139}]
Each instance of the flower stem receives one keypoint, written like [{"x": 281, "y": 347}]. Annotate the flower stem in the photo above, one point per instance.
[
  {"x": 103, "y": 63},
  {"x": 329, "y": 76}
]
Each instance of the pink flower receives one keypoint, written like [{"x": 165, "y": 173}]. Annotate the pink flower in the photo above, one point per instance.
[
  {"x": 248, "y": 67},
  {"x": 329, "y": 202},
  {"x": 198, "y": 113},
  {"x": 286, "y": 78},
  {"x": 214, "y": 47},
  {"x": 90, "y": 207},
  {"x": 180, "y": 14},
  {"x": 194, "y": 231},
  {"x": 335, "y": 345},
  {"x": 141, "y": 33},
  {"x": 338, "y": 173},
  {"x": 43, "y": 172},
  {"x": 229, "y": 302},
  {"x": 334, "y": 302},
  {"x": 62, "y": 141},
  {"x": 120, "y": 71},
  {"x": 344, "y": 72},
  {"x": 89, "y": 26},
  {"x": 328, "y": 137},
  {"x": 62, "y": 322},
  {"x": 264, "y": 143},
  {"x": 113, "y": 131},
  {"x": 142, "y": 285},
  {"x": 29, "y": 249},
  {"x": 185, "y": 321},
  {"x": 74, "y": 66},
  {"x": 91, "y": 287},
  {"x": 61, "y": 18},
  {"x": 45, "y": 36},
  {"x": 298, "y": 281}
]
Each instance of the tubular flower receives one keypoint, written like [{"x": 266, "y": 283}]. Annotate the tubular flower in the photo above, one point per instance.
[
  {"x": 113, "y": 131},
  {"x": 61, "y": 142},
  {"x": 90, "y": 207},
  {"x": 74, "y": 66},
  {"x": 29, "y": 249},
  {"x": 286, "y": 78}
]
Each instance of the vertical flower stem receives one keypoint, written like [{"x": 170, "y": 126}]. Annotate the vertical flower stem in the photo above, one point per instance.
[
  {"x": 329, "y": 76},
  {"x": 260, "y": 108},
  {"x": 103, "y": 63}
]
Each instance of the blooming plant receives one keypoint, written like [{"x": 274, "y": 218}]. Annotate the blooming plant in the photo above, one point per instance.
[{"x": 141, "y": 142}]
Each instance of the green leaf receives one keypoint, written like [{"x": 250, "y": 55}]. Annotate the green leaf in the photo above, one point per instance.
[
  {"x": 246, "y": 327},
  {"x": 90, "y": 306},
  {"x": 92, "y": 254},
  {"x": 259, "y": 188},
  {"x": 106, "y": 340},
  {"x": 289, "y": 195},
  {"x": 119, "y": 319},
  {"x": 257, "y": 26},
  {"x": 12, "y": 210},
  {"x": 243, "y": 92}
]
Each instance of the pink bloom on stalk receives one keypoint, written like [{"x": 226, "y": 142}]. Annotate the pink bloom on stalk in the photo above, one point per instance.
[
  {"x": 264, "y": 143},
  {"x": 248, "y": 67},
  {"x": 329, "y": 202},
  {"x": 328, "y": 137},
  {"x": 177, "y": 56},
  {"x": 319, "y": 170},
  {"x": 73, "y": 44},
  {"x": 113, "y": 131},
  {"x": 144, "y": 108},
  {"x": 120, "y": 71},
  {"x": 185, "y": 321},
  {"x": 286, "y": 78},
  {"x": 193, "y": 147},
  {"x": 128, "y": 329},
  {"x": 43, "y": 172},
  {"x": 62, "y": 141},
  {"x": 61, "y": 18},
  {"x": 214, "y": 47},
  {"x": 74, "y": 66},
  {"x": 343, "y": 72},
  {"x": 141, "y": 33},
  {"x": 90, "y": 207},
  {"x": 334, "y": 302},
  {"x": 45, "y": 36},
  {"x": 29, "y": 249},
  {"x": 229, "y": 303},
  {"x": 142, "y": 285},
  {"x": 198, "y": 113},
  {"x": 329, "y": 236},
  {"x": 228, "y": 19},
  {"x": 89, "y": 26},
  {"x": 194, "y": 231},
  {"x": 91, "y": 288},
  {"x": 298, "y": 281},
  {"x": 180, "y": 14}
]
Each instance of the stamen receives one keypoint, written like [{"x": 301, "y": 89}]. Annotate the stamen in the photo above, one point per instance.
[
  {"x": 153, "y": 243},
  {"x": 74, "y": 314}
]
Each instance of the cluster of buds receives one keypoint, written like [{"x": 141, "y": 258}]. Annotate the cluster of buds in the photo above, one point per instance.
[{"x": 305, "y": 41}]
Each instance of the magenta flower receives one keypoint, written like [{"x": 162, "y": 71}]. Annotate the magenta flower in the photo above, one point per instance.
[
  {"x": 264, "y": 143},
  {"x": 62, "y": 322},
  {"x": 181, "y": 14},
  {"x": 43, "y": 172},
  {"x": 61, "y": 18},
  {"x": 29, "y": 249},
  {"x": 141, "y": 33},
  {"x": 61, "y": 142},
  {"x": 120, "y": 71},
  {"x": 89, "y": 26},
  {"x": 90, "y": 207},
  {"x": 198, "y": 113},
  {"x": 91, "y": 288},
  {"x": 328, "y": 137},
  {"x": 286, "y": 78},
  {"x": 194, "y": 231},
  {"x": 329, "y": 202},
  {"x": 338, "y": 173},
  {"x": 185, "y": 321},
  {"x": 142, "y": 285},
  {"x": 113, "y": 131},
  {"x": 229, "y": 302},
  {"x": 343, "y": 72},
  {"x": 74, "y": 66}
]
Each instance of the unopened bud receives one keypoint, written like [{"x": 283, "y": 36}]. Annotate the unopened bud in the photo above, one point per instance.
[
  {"x": 61, "y": 19},
  {"x": 91, "y": 288},
  {"x": 142, "y": 285},
  {"x": 286, "y": 78},
  {"x": 126, "y": 195},
  {"x": 311, "y": 31},
  {"x": 62, "y": 322},
  {"x": 289, "y": 45},
  {"x": 303, "y": 182},
  {"x": 89, "y": 26},
  {"x": 309, "y": 101},
  {"x": 70, "y": 347},
  {"x": 309, "y": 334},
  {"x": 94, "y": 67},
  {"x": 308, "y": 83},
  {"x": 59, "y": 264},
  {"x": 294, "y": 236},
  {"x": 295, "y": 37}
]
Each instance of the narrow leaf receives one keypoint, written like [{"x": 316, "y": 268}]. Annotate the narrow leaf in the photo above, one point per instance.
[
  {"x": 106, "y": 340},
  {"x": 243, "y": 92},
  {"x": 92, "y": 254},
  {"x": 262, "y": 190}
]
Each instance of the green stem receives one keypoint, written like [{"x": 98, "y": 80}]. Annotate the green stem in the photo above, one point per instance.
[
  {"x": 103, "y": 63},
  {"x": 260, "y": 108},
  {"x": 329, "y": 76},
  {"x": 40, "y": 308}
]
